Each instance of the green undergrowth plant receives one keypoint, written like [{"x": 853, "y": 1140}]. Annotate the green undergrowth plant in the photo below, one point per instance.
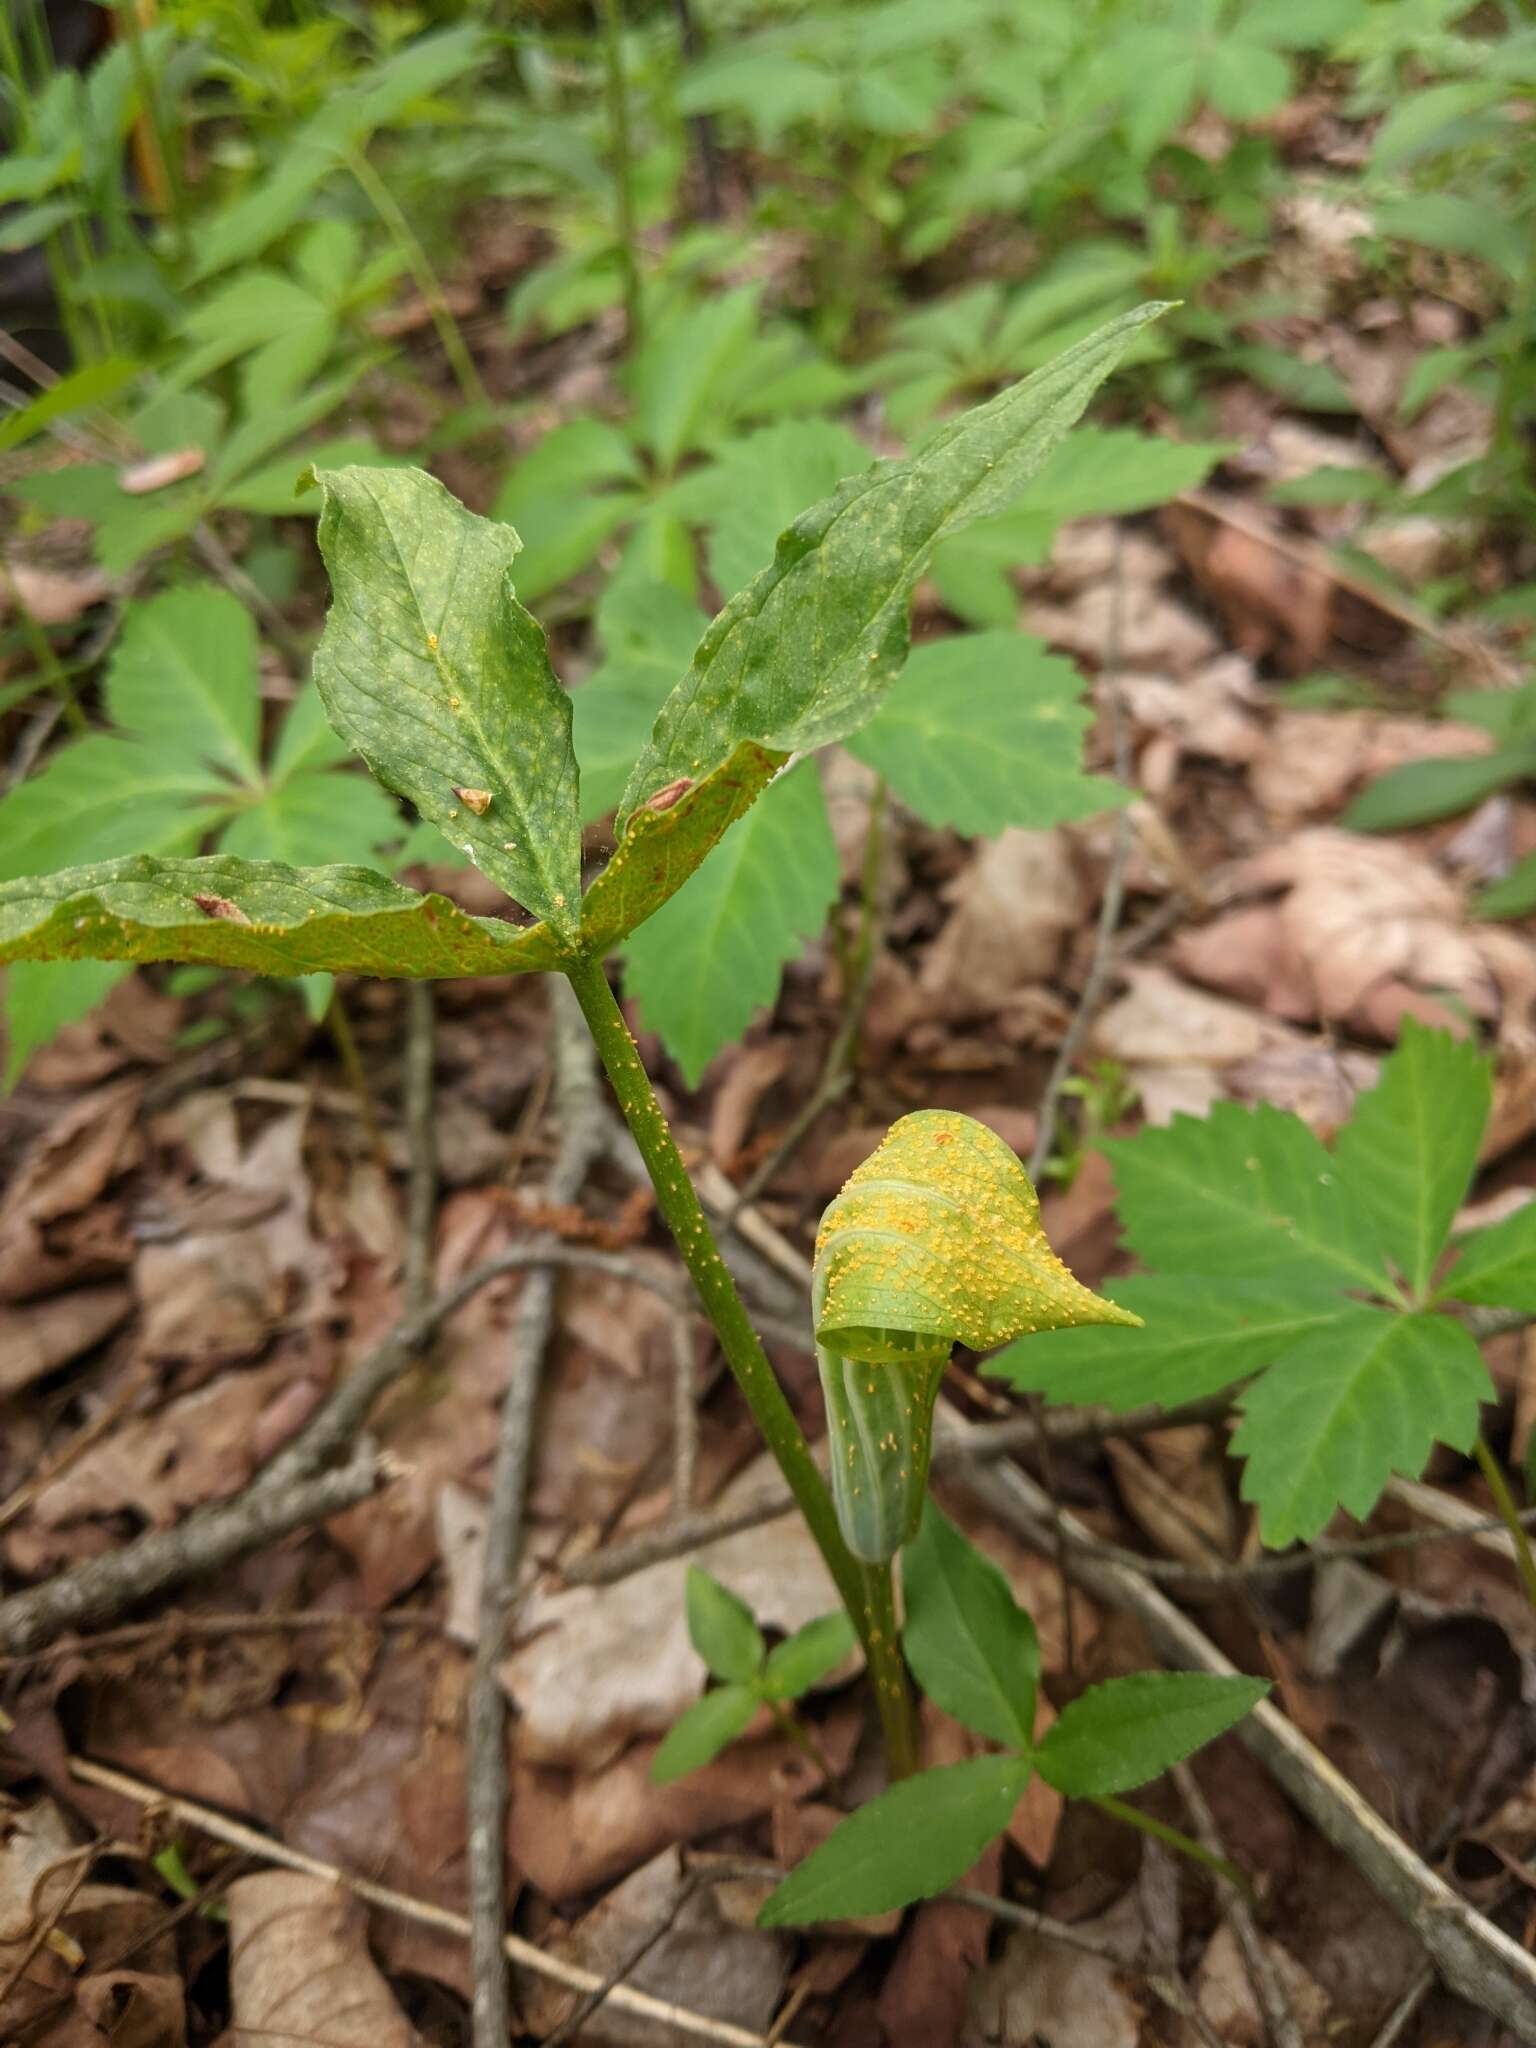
[
  {"x": 753, "y": 1678},
  {"x": 1322, "y": 1285},
  {"x": 974, "y": 1651},
  {"x": 184, "y": 766},
  {"x": 432, "y": 669}
]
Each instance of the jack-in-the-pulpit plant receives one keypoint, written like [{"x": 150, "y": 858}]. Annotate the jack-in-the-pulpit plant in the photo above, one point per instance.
[{"x": 432, "y": 670}]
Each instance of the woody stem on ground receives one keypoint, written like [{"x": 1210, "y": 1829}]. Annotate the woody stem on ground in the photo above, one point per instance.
[
  {"x": 865, "y": 1590},
  {"x": 1504, "y": 1501}
]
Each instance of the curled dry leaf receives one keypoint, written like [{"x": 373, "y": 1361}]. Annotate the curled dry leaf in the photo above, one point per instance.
[
  {"x": 39, "y": 1339},
  {"x": 1037, "y": 1990},
  {"x": 47, "y": 1235},
  {"x": 299, "y": 1967},
  {"x": 1363, "y": 932},
  {"x": 1177, "y": 1042},
  {"x": 702, "y": 1961},
  {"x": 1014, "y": 906}
]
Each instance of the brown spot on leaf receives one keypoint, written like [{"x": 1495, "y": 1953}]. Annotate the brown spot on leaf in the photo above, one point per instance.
[
  {"x": 664, "y": 799},
  {"x": 220, "y": 906},
  {"x": 476, "y": 800}
]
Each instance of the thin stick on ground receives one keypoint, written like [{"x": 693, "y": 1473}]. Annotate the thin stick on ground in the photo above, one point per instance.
[
  {"x": 212, "y": 1537},
  {"x": 1112, "y": 902},
  {"x": 421, "y": 1137},
  {"x": 578, "y": 1106},
  {"x": 696, "y": 2026},
  {"x": 1280, "y": 2022},
  {"x": 685, "y": 1415}
]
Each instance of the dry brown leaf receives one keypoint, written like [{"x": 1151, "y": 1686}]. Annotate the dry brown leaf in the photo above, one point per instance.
[
  {"x": 1014, "y": 905},
  {"x": 1212, "y": 712},
  {"x": 570, "y": 1833},
  {"x": 1176, "y": 1041},
  {"x": 1038, "y": 1990},
  {"x": 198, "y": 1448},
  {"x": 53, "y": 596},
  {"x": 42, "y": 1244},
  {"x": 39, "y": 1339},
  {"x": 1365, "y": 931},
  {"x": 1274, "y": 605},
  {"x": 600, "y": 1665},
  {"x": 299, "y": 1967},
  {"x": 702, "y": 1961},
  {"x": 1224, "y": 1992}
]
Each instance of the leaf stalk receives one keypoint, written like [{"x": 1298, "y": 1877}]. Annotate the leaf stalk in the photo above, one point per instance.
[{"x": 866, "y": 1590}]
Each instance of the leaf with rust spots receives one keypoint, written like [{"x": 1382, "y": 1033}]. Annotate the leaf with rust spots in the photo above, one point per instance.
[
  {"x": 440, "y": 679},
  {"x": 261, "y": 916}
]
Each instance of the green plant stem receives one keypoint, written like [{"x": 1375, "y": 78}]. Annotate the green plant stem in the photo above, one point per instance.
[
  {"x": 1509, "y": 1514},
  {"x": 794, "y": 1730},
  {"x": 1172, "y": 1838},
  {"x": 53, "y": 671},
  {"x": 339, "y": 1024},
  {"x": 172, "y": 197},
  {"x": 865, "y": 1589},
  {"x": 417, "y": 261},
  {"x": 621, "y": 144}
]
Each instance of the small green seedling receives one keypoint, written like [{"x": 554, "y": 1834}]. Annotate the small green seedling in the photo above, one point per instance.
[
  {"x": 974, "y": 1652},
  {"x": 723, "y": 1631}
]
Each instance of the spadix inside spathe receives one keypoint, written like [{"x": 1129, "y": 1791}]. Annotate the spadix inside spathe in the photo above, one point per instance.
[{"x": 934, "y": 1241}]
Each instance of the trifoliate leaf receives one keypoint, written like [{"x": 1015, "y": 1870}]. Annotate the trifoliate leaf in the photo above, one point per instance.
[
  {"x": 760, "y": 484},
  {"x": 1364, "y": 1397},
  {"x": 911, "y": 1842},
  {"x": 721, "y": 1628},
  {"x": 257, "y": 915},
  {"x": 984, "y": 731},
  {"x": 1410, "y": 1148},
  {"x": 972, "y": 1648},
  {"x": 1248, "y": 1193},
  {"x": 1497, "y": 1266},
  {"x": 1121, "y": 1734},
  {"x": 440, "y": 679},
  {"x": 712, "y": 956},
  {"x": 314, "y": 820},
  {"x": 1200, "y": 1334}
]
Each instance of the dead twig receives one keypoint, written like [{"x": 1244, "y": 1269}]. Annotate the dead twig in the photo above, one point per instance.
[
  {"x": 1112, "y": 903},
  {"x": 421, "y": 1137},
  {"x": 578, "y": 1105},
  {"x": 169, "y": 1631},
  {"x": 213, "y": 1536},
  {"x": 697, "y": 2026},
  {"x": 48, "y": 1921},
  {"x": 1280, "y": 2022}
]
